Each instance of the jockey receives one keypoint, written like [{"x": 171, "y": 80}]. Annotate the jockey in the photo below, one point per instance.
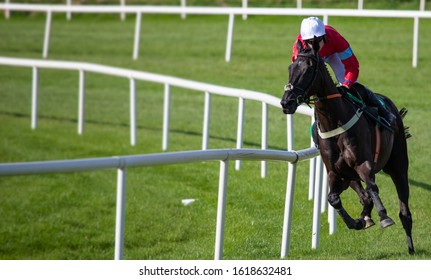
[{"x": 336, "y": 51}]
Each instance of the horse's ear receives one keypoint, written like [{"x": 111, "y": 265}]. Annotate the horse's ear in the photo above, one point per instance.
[
  {"x": 299, "y": 46},
  {"x": 316, "y": 46}
]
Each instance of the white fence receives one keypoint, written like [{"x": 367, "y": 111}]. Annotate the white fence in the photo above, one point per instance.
[
  {"x": 317, "y": 179},
  {"x": 231, "y": 12},
  {"x": 123, "y": 163},
  {"x": 168, "y": 82},
  {"x": 244, "y": 4}
]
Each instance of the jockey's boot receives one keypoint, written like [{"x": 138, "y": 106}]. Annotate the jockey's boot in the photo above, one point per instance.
[{"x": 386, "y": 116}]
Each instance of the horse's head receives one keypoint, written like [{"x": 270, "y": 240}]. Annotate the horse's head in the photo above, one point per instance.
[{"x": 302, "y": 75}]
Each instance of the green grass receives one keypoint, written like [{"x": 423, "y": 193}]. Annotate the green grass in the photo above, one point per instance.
[{"x": 72, "y": 216}]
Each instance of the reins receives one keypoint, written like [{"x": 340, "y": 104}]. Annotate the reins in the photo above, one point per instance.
[
  {"x": 316, "y": 70},
  {"x": 331, "y": 96}
]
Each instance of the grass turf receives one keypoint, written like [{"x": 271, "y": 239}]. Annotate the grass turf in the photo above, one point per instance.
[{"x": 72, "y": 216}]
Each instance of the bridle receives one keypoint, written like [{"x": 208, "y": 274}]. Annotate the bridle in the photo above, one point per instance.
[{"x": 301, "y": 94}]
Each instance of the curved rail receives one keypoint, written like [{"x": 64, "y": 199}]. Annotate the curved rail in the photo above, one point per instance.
[
  {"x": 168, "y": 81},
  {"x": 80, "y": 165},
  {"x": 315, "y": 174},
  {"x": 121, "y": 163}
]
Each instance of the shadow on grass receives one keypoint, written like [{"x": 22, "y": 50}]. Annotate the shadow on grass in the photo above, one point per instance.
[
  {"x": 419, "y": 254},
  {"x": 127, "y": 125},
  {"x": 415, "y": 183},
  {"x": 423, "y": 185}
]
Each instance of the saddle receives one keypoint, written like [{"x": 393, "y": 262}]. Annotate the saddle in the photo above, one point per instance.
[
  {"x": 363, "y": 98},
  {"x": 359, "y": 96}
]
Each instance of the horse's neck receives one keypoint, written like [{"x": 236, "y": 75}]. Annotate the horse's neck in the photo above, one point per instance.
[
  {"x": 330, "y": 112},
  {"x": 327, "y": 87}
]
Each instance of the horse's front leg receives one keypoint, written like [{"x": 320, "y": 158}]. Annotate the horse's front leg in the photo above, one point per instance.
[
  {"x": 336, "y": 187},
  {"x": 366, "y": 173}
]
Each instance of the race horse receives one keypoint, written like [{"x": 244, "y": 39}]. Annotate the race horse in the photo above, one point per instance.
[{"x": 352, "y": 145}]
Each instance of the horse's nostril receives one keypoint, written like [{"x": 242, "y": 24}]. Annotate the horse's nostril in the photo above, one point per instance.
[
  {"x": 284, "y": 103},
  {"x": 287, "y": 103}
]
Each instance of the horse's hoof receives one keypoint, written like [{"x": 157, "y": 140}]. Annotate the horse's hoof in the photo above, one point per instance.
[
  {"x": 386, "y": 222},
  {"x": 359, "y": 224},
  {"x": 368, "y": 222}
]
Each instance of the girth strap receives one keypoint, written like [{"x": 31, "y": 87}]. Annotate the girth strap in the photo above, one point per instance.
[{"x": 343, "y": 128}]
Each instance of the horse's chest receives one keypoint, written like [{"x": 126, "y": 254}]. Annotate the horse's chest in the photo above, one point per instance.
[{"x": 339, "y": 156}]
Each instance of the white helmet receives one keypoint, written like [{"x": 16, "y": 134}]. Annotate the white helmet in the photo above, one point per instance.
[{"x": 311, "y": 27}]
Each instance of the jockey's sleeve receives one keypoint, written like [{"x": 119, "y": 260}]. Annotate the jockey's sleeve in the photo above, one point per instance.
[
  {"x": 336, "y": 44},
  {"x": 351, "y": 66}
]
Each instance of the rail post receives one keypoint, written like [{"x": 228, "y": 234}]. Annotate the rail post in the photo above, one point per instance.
[
  {"x": 264, "y": 164},
  {"x": 47, "y": 33},
  {"x": 137, "y": 35},
  {"x": 221, "y": 209},
  {"x": 229, "y": 37},
  {"x": 120, "y": 214},
  {"x": 81, "y": 102},
  {"x": 34, "y": 97},
  {"x": 287, "y": 222},
  {"x": 207, "y": 117},
  {"x": 166, "y": 117},
  {"x": 240, "y": 129},
  {"x": 132, "y": 112}
]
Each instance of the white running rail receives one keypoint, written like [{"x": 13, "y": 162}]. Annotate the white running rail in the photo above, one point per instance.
[
  {"x": 122, "y": 163},
  {"x": 168, "y": 82},
  {"x": 231, "y": 12},
  {"x": 316, "y": 166}
]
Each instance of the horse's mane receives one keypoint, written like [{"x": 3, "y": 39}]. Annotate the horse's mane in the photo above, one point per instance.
[
  {"x": 325, "y": 68},
  {"x": 309, "y": 51}
]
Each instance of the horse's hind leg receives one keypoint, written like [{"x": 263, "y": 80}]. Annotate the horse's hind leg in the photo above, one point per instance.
[
  {"x": 385, "y": 220},
  {"x": 397, "y": 167},
  {"x": 401, "y": 182},
  {"x": 366, "y": 202},
  {"x": 364, "y": 171}
]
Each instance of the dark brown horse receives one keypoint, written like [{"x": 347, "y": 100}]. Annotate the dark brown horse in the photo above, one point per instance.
[{"x": 352, "y": 147}]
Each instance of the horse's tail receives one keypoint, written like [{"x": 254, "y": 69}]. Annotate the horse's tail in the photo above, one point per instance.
[{"x": 403, "y": 112}]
